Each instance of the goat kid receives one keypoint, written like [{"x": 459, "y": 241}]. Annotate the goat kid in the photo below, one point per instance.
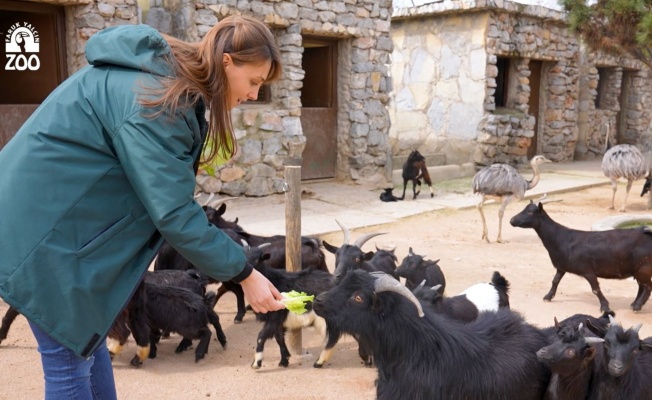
[
  {"x": 388, "y": 196},
  {"x": 276, "y": 323},
  {"x": 626, "y": 366},
  {"x": 572, "y": 360},
  {"x": 416, "y": 269},
  {"x": 612, "y": 254}
]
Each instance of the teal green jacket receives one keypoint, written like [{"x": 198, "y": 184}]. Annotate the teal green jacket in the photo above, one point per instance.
[{"x": 91, "y": 182}]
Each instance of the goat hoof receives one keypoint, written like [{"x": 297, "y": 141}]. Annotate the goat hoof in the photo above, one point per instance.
[
  {"x": 284, "y": 363},
  {"x": 257, "y": 364},
  {"x": 237, "y": 320},
  {"x": 317, "y": 365},
  {"x": 636, "y": 307},
  {"x": 199, "y": 357},
  {"x": 135, "y": 362},
  {"x": 548, "y": 297},
  {"x": 432, "y": 195}
]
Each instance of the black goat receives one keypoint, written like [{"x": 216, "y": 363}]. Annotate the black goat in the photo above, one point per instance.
[
  {"x": 423, "y": 355},
  {"x": 612, "y": 254},
  {"x": 7, "y": 320},
  {"x": 176, "y": 309},
  {"x": 625, "y": 369},
  {"x": 135, "y": 318},
  {"x": 572, "y": 361},
  {"x": 416, "y": 269},
  {"x": 414, "y": 169},
  {"x": 467, "y": 305},
  {"x": 311, "y": 254},
  {"x": 350, "y": 257},
  {"x": 388, "y": 196}
]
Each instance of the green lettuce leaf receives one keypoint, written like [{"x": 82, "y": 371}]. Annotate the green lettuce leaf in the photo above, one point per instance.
[{"x": 295, "y": 301}]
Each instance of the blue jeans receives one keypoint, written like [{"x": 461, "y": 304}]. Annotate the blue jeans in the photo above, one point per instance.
[{"x": 68, "y": 376}]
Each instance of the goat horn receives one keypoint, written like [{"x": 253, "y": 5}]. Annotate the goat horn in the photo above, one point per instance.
[
  {"x": 637, "y": 327},
  {"x": 245, "y": 245},
  {"x": 347, "y": 233},
  {"x": 613, "y": 321},
  {"x": 210, "y": 196},
  {"x": 436, "y": 287},
  {"x": 220, "y": 201},
  {"x": 386, "y": 248},
  {"x": 591, "y": 340},
  {"x": 363, "y": 239},
  {"x": 423, "y": 283},
  {"x": 542, "y": 198},
  {"x": 385, "y": 283},
  {"x": 262, "y": 246},
  {"x": 410, "y": 252}
]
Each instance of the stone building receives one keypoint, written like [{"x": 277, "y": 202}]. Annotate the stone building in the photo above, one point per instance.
[
  {"x": 365, "y": 81},
  {"x": 496, "y": 81},
  {"x": 329, "y": 112}
]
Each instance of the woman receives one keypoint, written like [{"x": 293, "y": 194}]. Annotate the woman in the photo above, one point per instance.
[{"x": 104, "y": 170}]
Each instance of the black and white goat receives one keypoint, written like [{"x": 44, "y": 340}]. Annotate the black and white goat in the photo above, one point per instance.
[
  {"x": 422, "y": 355},
  {"x": 276, "y": 323},
  {"x": 471, "y": 302}
]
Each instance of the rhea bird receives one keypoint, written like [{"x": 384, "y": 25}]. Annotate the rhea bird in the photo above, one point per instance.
[
  {"x": 622, "y": 161},
  {"x": 503, "y": 183}
]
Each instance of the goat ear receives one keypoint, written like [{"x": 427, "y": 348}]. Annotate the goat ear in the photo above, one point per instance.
[
  {"x": 646, "y": 345},
  {"x": 368, "y": 255},
  {"x": 600, "y": 332},
  {"x": 329, "y": 247},
  {"x": 410, "y": 252},
  {"x": 540, "y": 207},
  {"x": 589, "y": 353}
]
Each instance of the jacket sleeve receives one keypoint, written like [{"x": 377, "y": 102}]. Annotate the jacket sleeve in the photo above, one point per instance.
[{"x": 157, "y": 155}]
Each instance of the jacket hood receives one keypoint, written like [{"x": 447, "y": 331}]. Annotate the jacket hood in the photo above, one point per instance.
[{"x": 139, "y": 47}]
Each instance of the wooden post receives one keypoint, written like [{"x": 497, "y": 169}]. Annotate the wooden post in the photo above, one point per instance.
[{"x": 293, "y": 239}]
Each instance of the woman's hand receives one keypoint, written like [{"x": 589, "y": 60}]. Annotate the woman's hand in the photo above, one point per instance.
[{"x": 261, "y": 294}]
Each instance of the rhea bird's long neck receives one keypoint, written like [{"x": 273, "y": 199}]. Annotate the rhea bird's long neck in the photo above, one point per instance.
[{"x": 535, "y": 179}]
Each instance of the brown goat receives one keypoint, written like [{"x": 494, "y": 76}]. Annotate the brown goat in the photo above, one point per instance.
[
  {"x": 414, "y": 169},
  {"x": 612, "y": 254}
]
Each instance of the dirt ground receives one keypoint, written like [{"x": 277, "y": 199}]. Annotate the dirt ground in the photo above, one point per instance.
[{"x": 451, "y": 236}]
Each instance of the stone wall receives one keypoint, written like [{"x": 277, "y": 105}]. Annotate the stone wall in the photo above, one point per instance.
[
  {"x": 271, "y": 134},
  {"x": 456, "y": 45},
  {"x": 84, "y": 18},
  {"x": 569, "y": 125},
  {"x": 439, "y": 77},
  {"x": 524, "y": 37},
  {"x": 624, "y": 107}
]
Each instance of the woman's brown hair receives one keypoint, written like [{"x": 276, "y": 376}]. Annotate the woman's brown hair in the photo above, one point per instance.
[{"x": 200, "y": 74}]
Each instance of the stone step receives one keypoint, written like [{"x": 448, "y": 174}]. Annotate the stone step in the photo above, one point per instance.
[
  {"x": 440, "y": 172},
  {"x": 432, "y": 160}
]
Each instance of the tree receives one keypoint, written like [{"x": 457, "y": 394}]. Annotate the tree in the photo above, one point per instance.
[{"x": 620, "y": 27}]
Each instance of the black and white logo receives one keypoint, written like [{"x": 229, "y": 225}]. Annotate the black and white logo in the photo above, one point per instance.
[{"x": 22, "y": 47}]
